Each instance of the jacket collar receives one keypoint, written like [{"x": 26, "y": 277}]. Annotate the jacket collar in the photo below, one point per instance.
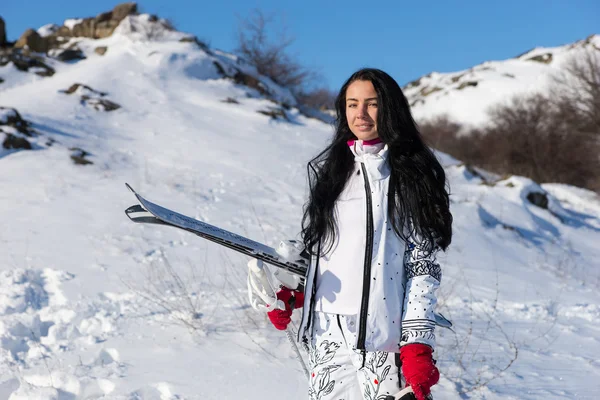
[{"x": 372, "y": 153}]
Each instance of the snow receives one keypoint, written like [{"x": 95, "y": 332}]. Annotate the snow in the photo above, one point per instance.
[
  {"x": 48, "y": 29},
  {"x": 94, "y": 306},
  {"x": 466, "y": 96},
  {"x": 71, "y": 22}
]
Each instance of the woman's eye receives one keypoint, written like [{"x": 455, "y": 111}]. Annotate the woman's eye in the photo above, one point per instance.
[
  {"x": 373, "y": 105},
  {"x": 351, "y": 105}
]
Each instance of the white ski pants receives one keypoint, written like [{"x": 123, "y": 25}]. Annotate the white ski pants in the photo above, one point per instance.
[{"x": 338, "y": 371}]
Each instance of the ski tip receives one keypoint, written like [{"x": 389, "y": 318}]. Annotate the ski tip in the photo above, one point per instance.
[{"x": 129, "y": 187}]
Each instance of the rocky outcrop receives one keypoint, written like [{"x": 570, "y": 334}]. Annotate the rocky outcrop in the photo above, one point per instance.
[
  {"x": 78, "y": 156},
  {"x": 275, "y": 113},
  {"x": 101, "y": 26},
  {"x": 14, "y": 128},
  {"x": 538, "y": 199},
  {"x": 542, "y": 58},
  {"x": 14, "y": 142},
  {"x": 10, "y": 117},
  {"x": 85, "y": 89},
  {"x": 104, "y": 24},
  {"x": 92, "y": 98},
  {"x": 32, "y": 40},
  {"x": 122, "y": 10},
  {"x": 69, "y": 55},
  {"x": 467, "y": 84},
  {"x": 2, "y": 32},
  {"x": 23, "y": 60},
  {"x": 99, "y": 104},
  {"x": 242, "y": 78},
  {"x": 100, "y": 50}
]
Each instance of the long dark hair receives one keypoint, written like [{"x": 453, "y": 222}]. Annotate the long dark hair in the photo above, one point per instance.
[{"x": 418, "y": 202}]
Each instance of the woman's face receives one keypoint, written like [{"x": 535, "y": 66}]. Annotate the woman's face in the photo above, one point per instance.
[{"x": 361, "y": 110}]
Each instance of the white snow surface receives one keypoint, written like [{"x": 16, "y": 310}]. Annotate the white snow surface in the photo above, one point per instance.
[
  {"x": 47, "y": 30},
  {"x": 466, "y": 96},
  {"x": 71, "y": 22},
  {"x": 89, "y": 304}
]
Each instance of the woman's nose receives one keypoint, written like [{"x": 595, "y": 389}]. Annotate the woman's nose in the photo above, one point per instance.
[{"x": 362, "y": 111}]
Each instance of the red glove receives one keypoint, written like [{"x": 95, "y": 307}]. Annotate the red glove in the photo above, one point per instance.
[
  {"x": 419, "y": 369},
  {"x": 292, "y": 299}
]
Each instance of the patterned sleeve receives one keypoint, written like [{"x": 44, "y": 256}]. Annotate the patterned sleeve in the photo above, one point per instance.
[{"x": 423, "y": 276}]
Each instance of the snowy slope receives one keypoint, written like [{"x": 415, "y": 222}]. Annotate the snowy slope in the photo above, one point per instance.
[
  {"x": 90, "y": 307},
  {"x": 466, "y": 95}
]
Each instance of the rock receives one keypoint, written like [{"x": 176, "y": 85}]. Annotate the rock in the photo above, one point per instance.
[
  {"x": 467, "y": 84},
  {"x": 194, "y": 39},
  {"x": 122, "y": 10},
  {"x": 2, "y": 32},
  {"x": 220, "y": 69},
  {"x": 100, "y": 104},
  {"x": 426, "y": 91},
  {"x": 85, "y": 28},
  {"x": 11, "y": 117},
  {"x": 32, "y": 40},
  {"x": 79, "y": 156},
  {"x": 275, "y": 113},
  {"x": 91, "y": 97},
  {"x": 105, "y": 28},
  {"x": 250, "y": 81},
  {"x": 15, "y": 142},
  {"x": 105, "y": 16},
  {"x": 47, "y": 30},
  {"x": 46, "y": 73},
  {"x": 70, "y": 55},
  {"x": 85, "y": 88},
  {"x": 101, "y": 50},
  {"x": 538, "y": 199},
  {"x": 63, "y": 31},
  {"x": 23, "y": 61},
  {"x": 542, "y": 58},
  {"x": 101, "y": 26}
]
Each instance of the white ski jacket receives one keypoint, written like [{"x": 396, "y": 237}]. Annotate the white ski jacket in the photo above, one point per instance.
[{"x": 399, "y": 279}]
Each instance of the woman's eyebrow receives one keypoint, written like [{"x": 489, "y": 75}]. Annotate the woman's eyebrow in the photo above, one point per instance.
[{"x": 353, "y": 99}]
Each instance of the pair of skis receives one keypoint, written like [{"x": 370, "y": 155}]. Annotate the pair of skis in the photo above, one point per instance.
[
  {"x": 147, "y": 212},
  {"x": 150, "y": 213}
]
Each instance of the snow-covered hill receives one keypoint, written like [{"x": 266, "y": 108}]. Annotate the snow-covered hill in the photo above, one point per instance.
[
  {"x": 93, "y": 306},
  {"x": 466, "y": 95}
]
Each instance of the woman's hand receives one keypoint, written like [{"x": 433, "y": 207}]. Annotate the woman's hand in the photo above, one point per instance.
[
  {"x": 292, "y": 299},
  {"x": 419, "y": 369},
  {"x": 279, "y": 305}
]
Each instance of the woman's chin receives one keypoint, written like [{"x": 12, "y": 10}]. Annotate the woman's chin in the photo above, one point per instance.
[{"x": 366, "y": 135}]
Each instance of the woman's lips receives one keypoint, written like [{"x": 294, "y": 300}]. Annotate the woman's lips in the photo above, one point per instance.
[{"x": 364, "y": 127}]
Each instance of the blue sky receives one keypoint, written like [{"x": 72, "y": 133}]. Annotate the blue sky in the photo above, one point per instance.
[{"x": 407, "y": 39}]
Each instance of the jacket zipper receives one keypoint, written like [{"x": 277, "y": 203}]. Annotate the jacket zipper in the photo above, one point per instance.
[
  {"x": 364, "y": 305},
  {"x": 302, "y": 335}
]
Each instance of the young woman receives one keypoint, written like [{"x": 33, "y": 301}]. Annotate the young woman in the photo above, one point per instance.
[{"x": 377, "y": 215}]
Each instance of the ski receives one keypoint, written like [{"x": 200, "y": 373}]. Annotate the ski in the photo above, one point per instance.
[{"x": 150, "y": 213}]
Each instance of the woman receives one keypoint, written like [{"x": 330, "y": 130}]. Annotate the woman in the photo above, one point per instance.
[{"x": 377, "y": 215}]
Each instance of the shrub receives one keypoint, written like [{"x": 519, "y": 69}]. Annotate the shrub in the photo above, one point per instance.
[
  {"x": 271, "y": 56},
  {"x": 549, "y": 138}
]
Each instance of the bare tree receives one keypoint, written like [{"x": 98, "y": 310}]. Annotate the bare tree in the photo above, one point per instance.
[
  {"x": 576, "y": 92},
  {"x": 534, "y": 135},
  {"x": 321, "y": 98},
  {"x": 271, "y": 56}
]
